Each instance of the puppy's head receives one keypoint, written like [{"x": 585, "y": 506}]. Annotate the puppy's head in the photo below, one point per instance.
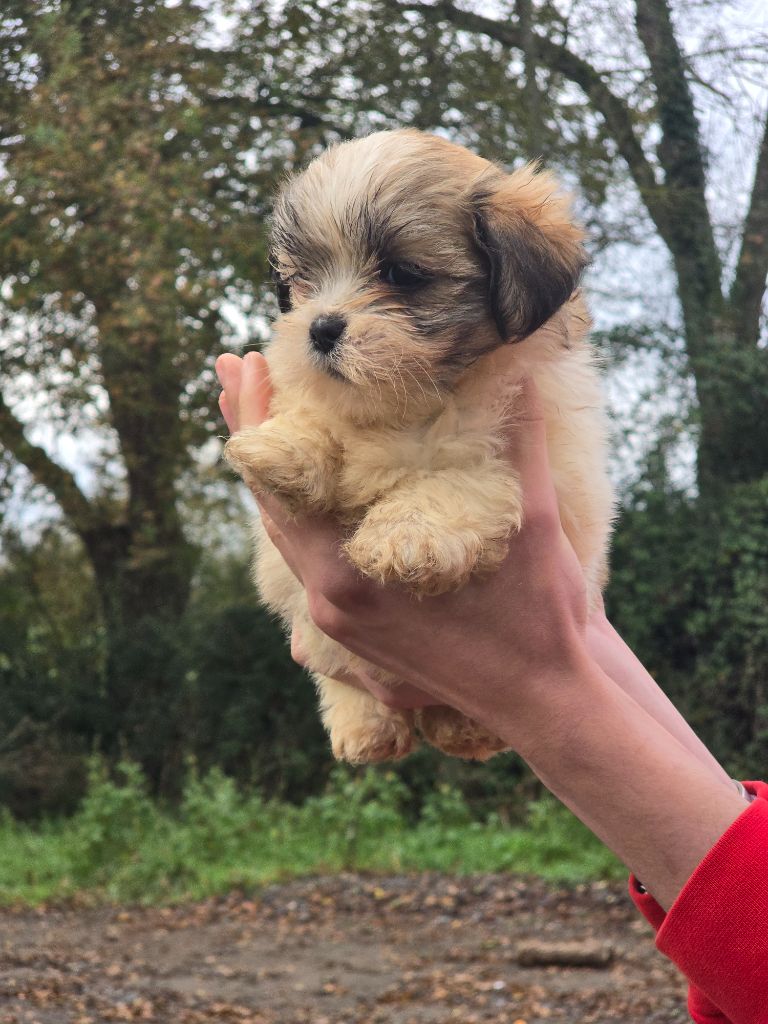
[{"x": 400, "y": 259}]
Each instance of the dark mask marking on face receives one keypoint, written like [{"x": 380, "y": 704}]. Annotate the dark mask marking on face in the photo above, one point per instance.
[{"x": 282, "y": 290}]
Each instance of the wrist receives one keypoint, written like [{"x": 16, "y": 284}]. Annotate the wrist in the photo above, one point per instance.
[
  {"x": 522, "y": 698},
  {"x": 556, "y": 697},
  {"x": 650, "y": 799},
  {"x": 612, "y": 655}
]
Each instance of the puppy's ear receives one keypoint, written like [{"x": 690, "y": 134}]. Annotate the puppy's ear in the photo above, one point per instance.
[{"x": 532, "y": 248}]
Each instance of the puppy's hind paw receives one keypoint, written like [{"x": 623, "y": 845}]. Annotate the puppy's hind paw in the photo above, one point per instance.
[
  {"x": 455, "y": 734},
  {"x": 387, "y": 738}
]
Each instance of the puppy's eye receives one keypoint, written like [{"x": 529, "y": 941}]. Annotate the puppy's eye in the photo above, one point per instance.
[
  {"x": 283, "y": 292},
  {"x": 404, "y": 275}
]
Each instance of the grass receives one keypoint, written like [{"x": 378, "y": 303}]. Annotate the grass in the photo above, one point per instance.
[{"x": 121, "y": 846}]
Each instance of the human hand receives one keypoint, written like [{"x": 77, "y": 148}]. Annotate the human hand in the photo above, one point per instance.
[
  {"x": 512, "y": 630},
  {"x": 247, "y": 392}
]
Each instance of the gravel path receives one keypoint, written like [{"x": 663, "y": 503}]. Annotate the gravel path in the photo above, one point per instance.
[{"x": 348, "y": 949}]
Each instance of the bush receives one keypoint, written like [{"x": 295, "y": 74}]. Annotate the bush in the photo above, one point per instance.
[
  {"x": 121, "y": 845},
  {"x": 51, "y": 665},
  {"x": 689, "y": 592},
  {"x": 252, "y": 711}
]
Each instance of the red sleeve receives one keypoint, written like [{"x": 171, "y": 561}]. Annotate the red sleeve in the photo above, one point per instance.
[
  {"x": 701, "y": 1009},
  {"x": 717, "y": 929}
]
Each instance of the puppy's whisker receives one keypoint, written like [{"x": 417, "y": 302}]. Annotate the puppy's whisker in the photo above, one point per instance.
[
  {"x": 430, "y": 378},
  {"x": 396, "y": 386},
  {"x": 416, "y": 380},
  {"x": 365, "y": 369},
  {"x": 401, "y": 365},
  {"x": 405, "y": 393},
  {"x": 396, "y": 369}
]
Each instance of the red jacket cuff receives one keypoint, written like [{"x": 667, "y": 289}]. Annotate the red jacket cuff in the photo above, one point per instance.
[
  {"x": 702, "y": 1009},
  {"x": 717, "y": 929},
  {"x": 652, "y": 911}
]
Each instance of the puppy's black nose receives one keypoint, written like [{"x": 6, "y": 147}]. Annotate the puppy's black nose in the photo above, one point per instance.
[{"x": 326, "y": 331}]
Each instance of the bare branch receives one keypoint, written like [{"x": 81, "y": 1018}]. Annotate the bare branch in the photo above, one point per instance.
[
  {"x": 269, "y": 106},
  {"x": 532, "y": 97},
  {"x": 680, "y": 152},
  {"x": 57, "y": 480}
]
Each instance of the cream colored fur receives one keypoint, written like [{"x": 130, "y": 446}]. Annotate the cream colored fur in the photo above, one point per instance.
[{"x": 403, "y": 440}]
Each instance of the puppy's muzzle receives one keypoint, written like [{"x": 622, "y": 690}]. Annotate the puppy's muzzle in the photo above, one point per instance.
[{"x": 325, "y": 331}]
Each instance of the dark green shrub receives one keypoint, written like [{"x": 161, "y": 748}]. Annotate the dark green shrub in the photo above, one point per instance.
[{"x": 689, "y": 592}]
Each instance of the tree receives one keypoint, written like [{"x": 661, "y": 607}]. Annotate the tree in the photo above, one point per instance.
[
  {"x": 51, "y": 698},
  {"x": 127, "y": 212}
]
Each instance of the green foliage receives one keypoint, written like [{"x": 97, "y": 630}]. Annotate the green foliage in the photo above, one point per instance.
[
  {"x": 115, "y": 819},
  {"x": 120, "y": 845},
  {"x": 225, "y": 686},
  {"x": 362, "y": 815},
  {"x": 51, "y": 664},
  {"x": 251, "y": 710},
  {"x": 690, "y": 594}
]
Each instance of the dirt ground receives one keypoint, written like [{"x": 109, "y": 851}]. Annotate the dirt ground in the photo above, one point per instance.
[{"x": 350, "y": 949}]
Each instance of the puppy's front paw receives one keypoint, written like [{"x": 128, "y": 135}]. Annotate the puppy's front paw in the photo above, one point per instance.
[
  {"x": 299, "y": 465},
  {"x": 455, "y": 734},
  {"x": 407, "y": 543}
]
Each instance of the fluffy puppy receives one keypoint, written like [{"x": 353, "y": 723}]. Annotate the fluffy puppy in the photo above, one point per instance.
[{"x": 418, "y": 283}]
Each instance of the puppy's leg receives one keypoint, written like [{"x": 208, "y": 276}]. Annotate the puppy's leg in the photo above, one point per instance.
[
  {"x": 433, "y": 530},
  {"x": 362, "y": 729},
  {"x": 296, "y": 459},
  {"x": 455, "y": 734}
]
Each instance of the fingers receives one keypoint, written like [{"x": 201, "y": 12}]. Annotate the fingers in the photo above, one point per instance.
[
  {"x": 228, "y": 367},
  {"x": 247, "y": 390},
  {"x": 229, "y": 372},
  {"x": 298, "y": 650},
  {"x": 229, "y": 415},
  {"x": 317, "y": 536},
  {"x": 400, "y": 695}
]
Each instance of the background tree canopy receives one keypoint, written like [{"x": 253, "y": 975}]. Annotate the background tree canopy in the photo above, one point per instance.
[{"x": 140, "y": 144}]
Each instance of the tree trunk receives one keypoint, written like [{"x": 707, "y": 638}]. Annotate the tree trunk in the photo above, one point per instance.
[{"x": 732, "y": 389}]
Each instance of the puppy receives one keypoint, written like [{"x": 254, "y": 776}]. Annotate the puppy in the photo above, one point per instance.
[{"x": 418, "y": 283}]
